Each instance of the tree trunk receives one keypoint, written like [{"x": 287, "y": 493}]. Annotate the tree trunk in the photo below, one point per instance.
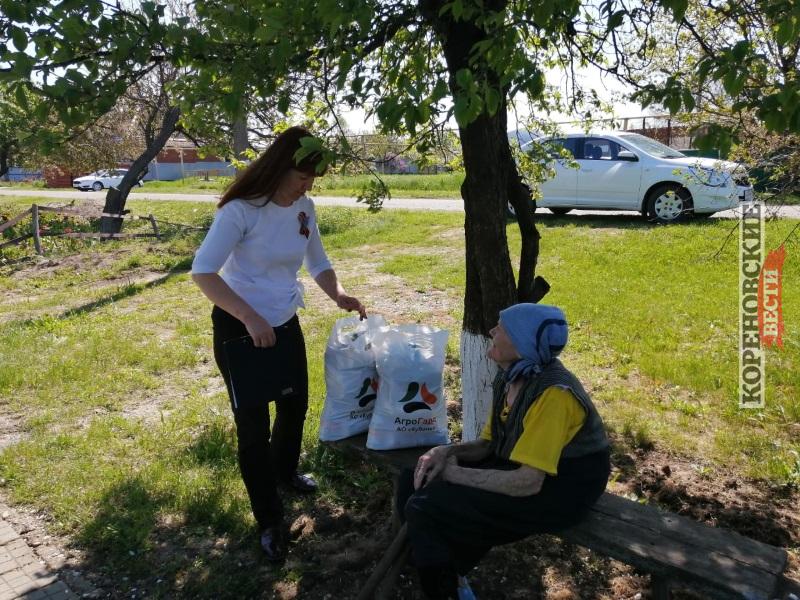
[
  {"x": 116, "y": 197},
  {"x": 4, "y": 162},
  {"x": 240, "y": 141},
  {"x": 489, "y": 276},
  {"x": 491, "y": 180}
]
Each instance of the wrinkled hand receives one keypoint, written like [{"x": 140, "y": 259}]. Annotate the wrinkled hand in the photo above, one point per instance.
[
  {"x": 262, "y": 332},
  {"x": 451, "y": 462},
  {"x": 349, "y": 303},
  {"x": 429, "y": 466}
]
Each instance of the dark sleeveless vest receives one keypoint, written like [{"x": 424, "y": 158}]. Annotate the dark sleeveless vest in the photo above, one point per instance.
[{"x": 590, "y": 438}]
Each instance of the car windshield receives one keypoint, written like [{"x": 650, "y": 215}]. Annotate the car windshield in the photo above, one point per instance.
[{"x": 651, "y": 146}]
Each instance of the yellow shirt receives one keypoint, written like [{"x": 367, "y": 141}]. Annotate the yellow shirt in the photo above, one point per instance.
[{"x": 550, "y": 423}]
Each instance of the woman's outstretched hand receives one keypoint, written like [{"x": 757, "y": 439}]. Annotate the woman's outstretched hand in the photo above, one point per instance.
[{"x": 348, "y": 303}]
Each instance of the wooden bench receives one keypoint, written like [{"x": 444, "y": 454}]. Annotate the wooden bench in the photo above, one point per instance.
[{"x": 676, "y": 551}]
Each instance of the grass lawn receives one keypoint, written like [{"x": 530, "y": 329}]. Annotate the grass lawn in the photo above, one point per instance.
[
  {"x": 116, "y": 423},
  {"x": 444, "y": 185}
]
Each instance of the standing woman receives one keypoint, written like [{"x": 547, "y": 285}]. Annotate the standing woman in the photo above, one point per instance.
[{"x": 264, "y": 230}]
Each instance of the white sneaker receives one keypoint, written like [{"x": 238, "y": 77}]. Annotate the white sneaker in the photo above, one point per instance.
[{"x": 464, "y": 591}]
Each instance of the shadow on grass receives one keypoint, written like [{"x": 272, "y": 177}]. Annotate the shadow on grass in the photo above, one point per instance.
[
  {"x": 204, "y": 544},
  {"x": 126, "y": 291}
]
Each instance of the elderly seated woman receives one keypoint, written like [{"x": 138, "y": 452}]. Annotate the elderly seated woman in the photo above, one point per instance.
[{"x": 541, "y": 461}]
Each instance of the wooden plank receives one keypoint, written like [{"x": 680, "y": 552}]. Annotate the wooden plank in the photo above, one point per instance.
[
  {"x": 386, "y": 591},
  {"x": 14, "y": 221},
  {"x": 21, "y": 238},
  {"x": 394, "y": 460},
  {"x": 155, "y": 226},
  {"x": 394, "y": 553},
  {"x": 37, "y": 242},
  {"x": 102, "y": 236},
  {"x": 122, "y": 216},
  {"x": 698, "y": 535},
  {"x": 675, "y": 560}
]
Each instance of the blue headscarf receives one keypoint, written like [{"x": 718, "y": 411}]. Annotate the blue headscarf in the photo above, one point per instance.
[{"x": 539, "y": 334}]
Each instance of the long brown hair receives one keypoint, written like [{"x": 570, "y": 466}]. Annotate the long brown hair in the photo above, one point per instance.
[{"x": 263, "y": 175}]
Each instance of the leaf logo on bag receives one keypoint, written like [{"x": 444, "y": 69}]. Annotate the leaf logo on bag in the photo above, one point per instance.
[
  {"x": 365, "y": 398},
  {"x": 428, "y": 399}
]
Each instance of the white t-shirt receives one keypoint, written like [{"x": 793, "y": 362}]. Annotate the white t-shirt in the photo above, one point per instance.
[{"x": 260, "y": 250}]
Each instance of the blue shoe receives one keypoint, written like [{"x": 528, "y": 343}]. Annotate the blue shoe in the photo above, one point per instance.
[{"x": 464, "y": 591}]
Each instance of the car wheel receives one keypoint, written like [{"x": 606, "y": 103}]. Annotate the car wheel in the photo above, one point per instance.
[
  {"x": 97, "y": 186},
  {"x": 669, "y": 203},
  {"x": 559, "y": 211}
]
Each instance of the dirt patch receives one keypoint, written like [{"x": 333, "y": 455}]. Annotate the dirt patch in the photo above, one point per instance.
[
  {"x": 390, "y": 296},
  {"x": 752, "y": 508},
  {"x": 10, "y": 429},
  {"x": 84, "y": 261}
]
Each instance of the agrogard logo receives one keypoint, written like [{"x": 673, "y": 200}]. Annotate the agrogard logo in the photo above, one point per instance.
[
  {"x": 428, "y": 399},
  {"x": 760, "y": 313}
]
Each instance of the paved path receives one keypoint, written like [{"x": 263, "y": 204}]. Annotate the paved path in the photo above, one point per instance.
[
  {"x": 446, "y": 204},
  {"x": 23, "y": 574}
]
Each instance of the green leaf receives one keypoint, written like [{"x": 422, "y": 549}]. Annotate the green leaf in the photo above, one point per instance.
[
  {"x": 460, "y": 110},
  {"x": 785, "y": 31},
  {"x": 688, "y": 100},
  {"x": 231, "y": 103},
  {"x": 615, "y": 20},
  {"x": 283, "y": 103},
  {"x": 21, "y": 96},
  {"x": 492, "y": 97},
  {"x": 19, "y": 37},
  {"x": 740, "y": 50},
  {"x": 677, "y": 7},
  {"x": 673, "y": 103},
  {"x": 308, "y": 145},
  {"x": 464, "y": 78},
  {"x": 42, "y": 111},
  {"x": 22, "y": 64},
  {"x": 74, "y": 30},
  {"x": 440, "y": 90}
]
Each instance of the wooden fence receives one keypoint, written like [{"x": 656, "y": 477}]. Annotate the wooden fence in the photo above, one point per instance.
[{"x": 37, "y": 234}]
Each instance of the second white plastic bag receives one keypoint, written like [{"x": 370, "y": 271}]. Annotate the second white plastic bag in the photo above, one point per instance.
[
  {"x": 351, "y": 380},
  {"x": 410, "y": 409}
]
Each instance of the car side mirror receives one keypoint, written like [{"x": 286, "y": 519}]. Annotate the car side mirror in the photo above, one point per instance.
[{"x": 627, "y": 155}]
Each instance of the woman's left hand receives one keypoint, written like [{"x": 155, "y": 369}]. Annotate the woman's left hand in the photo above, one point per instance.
[{"x": 346, "y": 302}]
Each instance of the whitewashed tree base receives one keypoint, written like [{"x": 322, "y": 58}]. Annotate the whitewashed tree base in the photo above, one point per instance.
[{"x": 477, "y": 375}]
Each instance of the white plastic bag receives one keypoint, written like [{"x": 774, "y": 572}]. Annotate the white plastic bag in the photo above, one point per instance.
[
  {"x": 351, "y": 380},
  {"x": 410, "y": 409}
]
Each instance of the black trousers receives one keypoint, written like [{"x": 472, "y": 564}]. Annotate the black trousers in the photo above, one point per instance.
[
  {"x": 266, "y": 456},
  {"x": 451, "y": 527}
]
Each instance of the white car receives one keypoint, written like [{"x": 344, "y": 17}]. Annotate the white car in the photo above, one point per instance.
[
  {"x": 101, "y": 179},
  {"x": 628, "y": 171}
]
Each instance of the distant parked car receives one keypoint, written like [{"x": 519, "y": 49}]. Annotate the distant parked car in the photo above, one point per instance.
[
  {"x": 101, "y": 179},
  {"x": 628, "y": 171}
]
